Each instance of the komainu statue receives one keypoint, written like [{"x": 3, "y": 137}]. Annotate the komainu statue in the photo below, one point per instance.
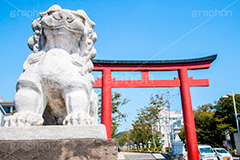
[{"x": 56, "y": 86}]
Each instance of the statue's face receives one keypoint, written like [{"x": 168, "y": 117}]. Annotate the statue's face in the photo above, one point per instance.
[
  {"x": 63, "y": 29},
  {"x": 63, "y": 19}
]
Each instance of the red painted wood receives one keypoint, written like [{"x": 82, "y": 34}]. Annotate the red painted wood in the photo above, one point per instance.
[
  {"x": 198, "y": 82},
  {"x": 107, "y": 101},
  {"x": 145, "y": 76},
  {"x": 188, "y": 117},
  {"x": 151, "y": 83}
]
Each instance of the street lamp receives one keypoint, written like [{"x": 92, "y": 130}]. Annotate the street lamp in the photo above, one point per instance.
[{"x": 235, "y": 108}]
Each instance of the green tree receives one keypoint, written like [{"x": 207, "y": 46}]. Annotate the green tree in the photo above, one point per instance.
[
  {"x": 225, "y": 117},
  {"x": 225, "y": 110},
  {"x": 182, "y": 135},
  {"x": 209, "y": 128},
  {"x": 143, "y": 127},
  {"x": 205, "y": 122},
  {"x": 124, "y": 138},
  {"x": 117, "y": 115},
  {"x": 212, "y": 122}
]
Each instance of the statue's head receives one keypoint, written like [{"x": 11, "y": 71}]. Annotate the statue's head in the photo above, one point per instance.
[{"x": 66, "y": 29}]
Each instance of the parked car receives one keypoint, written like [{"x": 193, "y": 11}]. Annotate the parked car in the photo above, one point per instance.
[
  {"x": 206, "y": 152},
  {"x": 223, "y": 154}
]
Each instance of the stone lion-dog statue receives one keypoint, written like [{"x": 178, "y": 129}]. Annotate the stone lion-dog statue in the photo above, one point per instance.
[{"x": 56, "y": 86}]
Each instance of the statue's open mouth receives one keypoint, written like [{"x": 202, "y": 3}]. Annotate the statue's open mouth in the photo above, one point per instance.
[{"x": 61, "y": 27}]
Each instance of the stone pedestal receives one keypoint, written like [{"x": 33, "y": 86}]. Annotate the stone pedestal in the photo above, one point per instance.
[
  {"x": 53, "y": 132},
  {"x": 177, "y": 145},
  {"x": 57, "y": 143},
  {"x": 72, "y": 149}
]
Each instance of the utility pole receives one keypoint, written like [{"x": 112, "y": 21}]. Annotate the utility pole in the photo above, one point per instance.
[{"x": 235, "y": 110}]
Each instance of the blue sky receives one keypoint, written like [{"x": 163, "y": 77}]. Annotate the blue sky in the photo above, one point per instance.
[{"x": 138, "y": 30}]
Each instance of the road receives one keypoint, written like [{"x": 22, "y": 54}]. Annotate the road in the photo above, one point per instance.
[
  {"x": 144, "y": 156},
  {"x": 139, "y": 156}
]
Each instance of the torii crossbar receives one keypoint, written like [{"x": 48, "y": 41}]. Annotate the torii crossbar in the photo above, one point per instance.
[{"x": 182, "y": 81}]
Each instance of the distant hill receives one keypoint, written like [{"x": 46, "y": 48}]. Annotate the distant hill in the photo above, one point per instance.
[{"x": 119, "y": 134}]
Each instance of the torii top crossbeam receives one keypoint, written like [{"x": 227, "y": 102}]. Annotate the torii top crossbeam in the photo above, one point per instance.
[
  {"x": 146, "y": 66},
  {"x": 182, "y": 81}
]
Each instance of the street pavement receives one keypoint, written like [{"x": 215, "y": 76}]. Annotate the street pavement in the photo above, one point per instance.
[
  {"x": 139, "y": 156},
  {"x": 144, "y": 156}
]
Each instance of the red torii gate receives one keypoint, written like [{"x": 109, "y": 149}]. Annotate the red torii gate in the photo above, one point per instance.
[{"x": 183, "y": 81}]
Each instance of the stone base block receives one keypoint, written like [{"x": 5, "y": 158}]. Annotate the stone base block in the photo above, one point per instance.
[
  {"x": 53, "y": 132},
  {"x": 68, "y": 149}
]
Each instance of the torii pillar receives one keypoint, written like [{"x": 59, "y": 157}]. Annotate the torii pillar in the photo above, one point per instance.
[
  {"x": 189, "y": 124},
  {"x": 106, "y": 118}
]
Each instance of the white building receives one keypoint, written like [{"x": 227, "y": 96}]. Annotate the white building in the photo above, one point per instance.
[
  {"x": 6, "y": 108},
  {"x": 2, "y": 113},
  {"x": 167, "y": 121}
]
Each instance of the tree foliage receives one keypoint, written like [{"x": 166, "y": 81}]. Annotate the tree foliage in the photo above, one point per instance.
[
  {"x": 117, "y": 115},
  {"x": 212, "y": 121},
  {"x": 225, "y": 117},
  {"x": 124, "y": 138},
  {"x": 143, "y": 125},
  {"x": 204, "y": 121}
]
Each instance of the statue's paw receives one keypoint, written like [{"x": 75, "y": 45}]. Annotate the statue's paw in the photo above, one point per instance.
[
  {"x": 23, "y": 119},
  {"x": 78, "y": 119}
]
